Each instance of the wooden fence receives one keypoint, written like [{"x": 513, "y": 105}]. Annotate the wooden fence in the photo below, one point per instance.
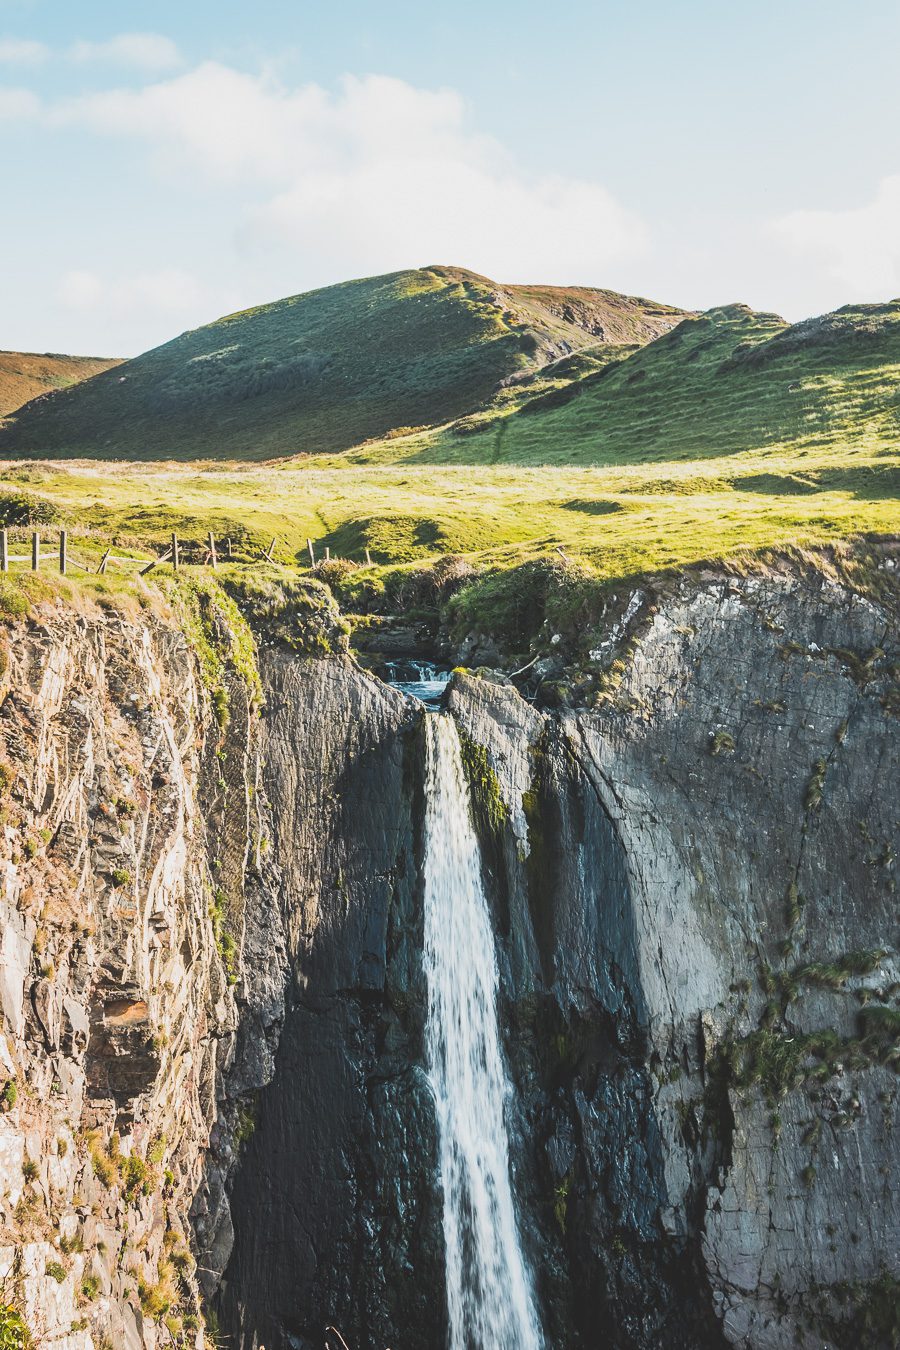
[{"x": 210, "y": 552}]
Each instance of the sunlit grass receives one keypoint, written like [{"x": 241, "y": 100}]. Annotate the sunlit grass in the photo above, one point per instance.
[{"x": 619, "y": 521}]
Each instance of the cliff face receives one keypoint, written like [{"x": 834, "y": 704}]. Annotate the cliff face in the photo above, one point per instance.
[
  {"x": 126, "y": 838},
  {"x": 336, "y": 1211},
  {"x": 707, "y": 916},
  {"x": 212, "y": 944}
]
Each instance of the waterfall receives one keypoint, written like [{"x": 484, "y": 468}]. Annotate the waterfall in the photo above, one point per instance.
[{"x": 489, "y": 1290}]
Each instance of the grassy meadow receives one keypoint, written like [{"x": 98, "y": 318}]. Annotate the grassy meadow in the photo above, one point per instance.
[{"x": 618, "y": 522}]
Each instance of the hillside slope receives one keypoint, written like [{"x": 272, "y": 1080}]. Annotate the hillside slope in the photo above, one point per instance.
[
  {"x": 26, "y": 375},
  {"x": 330, "y": 369},
  {"x": 719, "y": 383}
]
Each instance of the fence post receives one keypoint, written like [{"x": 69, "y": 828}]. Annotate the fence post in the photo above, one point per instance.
[
  {"x": 63, "y": 553},
  {"x": 368, "y": 558},
  {"x": 312, "y": 553},
  {"x": 212, "y": 550},
  {"x": 4, "y": 550},
  {"x": 228, "y": 548},
  {"x": 174, "y": 551},
  {"x": 327, "y": 553},
  {"x": 103, "y": 561},
  {"x": 35, "y": 551}
]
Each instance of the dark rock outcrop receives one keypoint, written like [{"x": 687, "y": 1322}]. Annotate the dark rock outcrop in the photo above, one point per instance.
[{"x": 337, "y": 1217}]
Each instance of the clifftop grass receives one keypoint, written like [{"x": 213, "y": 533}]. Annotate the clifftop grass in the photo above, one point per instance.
[{"x": 615, "y": 523}]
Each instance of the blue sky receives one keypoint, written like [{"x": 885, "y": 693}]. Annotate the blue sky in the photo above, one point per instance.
[{"x": 162, "y": 164}]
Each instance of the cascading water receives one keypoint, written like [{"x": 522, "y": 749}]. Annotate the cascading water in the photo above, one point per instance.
[
  {"x": 420, "y": 679},
  {"x": 489, "y": 1291}
]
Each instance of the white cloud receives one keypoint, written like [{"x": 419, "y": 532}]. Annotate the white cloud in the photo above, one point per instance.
[
  {"x": 18, "y": 105},
  {"x": 168, "y": 291},
  {"x": 860, "y": 247},
  {"x": 377, "y": 175},
  {"x": 150, "y": 52},
  {"x": 22, "y": 52}
]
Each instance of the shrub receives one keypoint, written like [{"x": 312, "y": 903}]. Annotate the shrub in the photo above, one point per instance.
[
  {"x": 333, "y": 570},
  {"x": 23, "y": 508},
  {"x": 813, "y": 797},
  {"x": 68, "y": 1245},
  {"x": 181, "y": 1258},
  {"x": 14, "y": 1333},
  {"x": 157, "y": 1299},
  {"x": 105, "y": 1162},
  {"x": 56, "y": 1270},
  {"x": 90, "y": 1288},
  {"x": 157, "y": 1150},
  {"x": 137, "y": 1176},
  {"x": 221, "y": 708},
  {"x": 246, "y": 1123},
  {"x": 225, "y": 943}
]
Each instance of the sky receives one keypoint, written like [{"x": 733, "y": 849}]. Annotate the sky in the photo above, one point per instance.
[{"x": 163, "y": 164}]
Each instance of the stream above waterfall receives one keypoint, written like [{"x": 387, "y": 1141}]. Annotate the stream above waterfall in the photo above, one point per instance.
[{"x": 420, "y": 680}]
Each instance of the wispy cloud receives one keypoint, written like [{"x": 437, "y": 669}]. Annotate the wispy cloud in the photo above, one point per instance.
[
  {"x": 858, "y": 247},
  {"x": 167, "y": 290},
  {"x": 22, "y": 52},
  {"x": 149, "y": 52},
  {"x": 377, "y": 175},
  {"x": 297, "y": 186},
  {"x": 19, "y": 105}
]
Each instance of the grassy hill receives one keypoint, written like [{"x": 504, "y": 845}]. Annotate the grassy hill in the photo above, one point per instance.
[
  {"x": 27, "y": 375},
  {"x": 327, "y": 370},
  {"x": 719, "y": 383}
]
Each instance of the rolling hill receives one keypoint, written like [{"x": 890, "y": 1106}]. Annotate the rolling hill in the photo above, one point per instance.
[
  {"x": 719, "y": 383},
  {"x": 28, "y": 375},
  {"x": 330, "y": 369}
]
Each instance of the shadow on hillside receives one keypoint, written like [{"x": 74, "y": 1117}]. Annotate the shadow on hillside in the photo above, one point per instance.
[{"x": 871, "y": 483}]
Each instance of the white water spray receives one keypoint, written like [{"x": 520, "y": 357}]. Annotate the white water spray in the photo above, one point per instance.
[{"x": 489, "y": 1290}]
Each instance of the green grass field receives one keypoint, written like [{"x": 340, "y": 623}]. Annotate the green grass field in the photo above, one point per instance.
[{"x": 618, "y": 521}]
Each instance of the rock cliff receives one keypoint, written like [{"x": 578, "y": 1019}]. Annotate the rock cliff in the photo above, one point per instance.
[
  {"x": 213, "y": 1000},
  {"x": 128, "y": 841},
  {"x": 700, "y": 900}
]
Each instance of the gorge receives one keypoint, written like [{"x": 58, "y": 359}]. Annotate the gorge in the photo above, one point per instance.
[{"x": 222, "y": 1105}]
